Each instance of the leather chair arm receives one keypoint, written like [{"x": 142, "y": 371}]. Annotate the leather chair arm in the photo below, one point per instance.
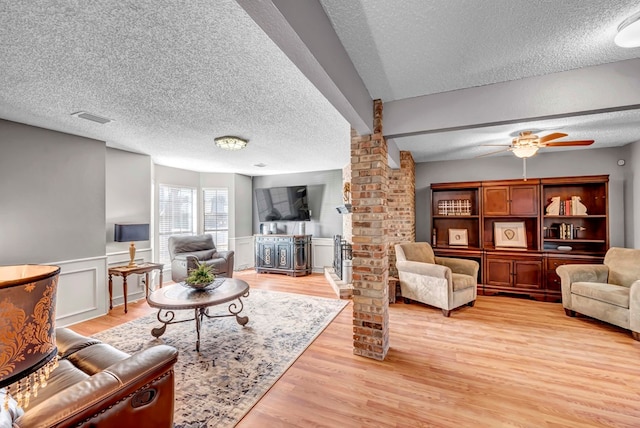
[
  {"x": 115, "y": 396},
  {"x": 464, "y": 266},
  {"x": 426, "y": 269},
  {"x": 223, "y": 254}
]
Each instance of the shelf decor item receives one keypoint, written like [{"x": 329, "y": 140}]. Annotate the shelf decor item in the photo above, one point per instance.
[
  {"x": 510, "y": 234},
  {"x": 458, "y": 237},
  {"x": 454, "y": 207}
]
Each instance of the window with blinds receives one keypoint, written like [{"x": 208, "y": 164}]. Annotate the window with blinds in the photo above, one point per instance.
[
  {"x": 215, "y": 203},
  {"x": 176, "y": 216}
]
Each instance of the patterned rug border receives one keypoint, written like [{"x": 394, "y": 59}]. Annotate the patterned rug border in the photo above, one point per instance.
[{"x": 333, "y": 308}]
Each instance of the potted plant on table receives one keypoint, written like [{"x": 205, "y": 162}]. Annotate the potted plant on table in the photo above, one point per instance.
[{"x": 201, "y": 277}]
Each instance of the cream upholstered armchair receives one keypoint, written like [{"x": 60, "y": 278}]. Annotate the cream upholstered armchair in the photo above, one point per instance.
[
  {"x": 443, "y": 282},
  {"x": 609, "y": 292}
]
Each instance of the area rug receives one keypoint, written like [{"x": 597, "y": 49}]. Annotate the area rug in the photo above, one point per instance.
[{"x": 236, "y": 365}]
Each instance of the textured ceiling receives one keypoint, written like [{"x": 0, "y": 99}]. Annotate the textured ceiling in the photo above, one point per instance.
[
  {"x": 429, "y": 46},
  {"x": 174, "y": 75},
  {"x": 425, "y": 47}
]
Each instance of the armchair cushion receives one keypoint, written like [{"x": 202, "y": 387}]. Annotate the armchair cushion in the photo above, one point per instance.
[{"x": 607, "y": 293}]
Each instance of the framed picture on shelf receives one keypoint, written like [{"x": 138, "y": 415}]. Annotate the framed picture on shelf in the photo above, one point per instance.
[
  {"x": 458, "y": 237},
  {"x": 510, "y": 234}
]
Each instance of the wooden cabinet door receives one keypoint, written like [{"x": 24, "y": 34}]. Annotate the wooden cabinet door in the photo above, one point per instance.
[
  {"x": 498, "y": 272},
  {"x": 284, "y": 255},
  {"x": 527, "y": 274},
  {"x": 496, "y": 200},
  {"x": 266, "y": 254},
  {"x": 524, "y": 200}
]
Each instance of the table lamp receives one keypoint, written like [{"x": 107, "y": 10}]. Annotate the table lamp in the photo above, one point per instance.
[
  {"x": 131, "y": 233},
  {"x": 28, "y": 351}
]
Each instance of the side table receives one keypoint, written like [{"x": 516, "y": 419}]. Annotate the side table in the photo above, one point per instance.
[{"x": 124, "y": 271}]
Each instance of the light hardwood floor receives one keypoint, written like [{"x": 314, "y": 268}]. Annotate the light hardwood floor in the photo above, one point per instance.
[{"x": 506, "y": 362}]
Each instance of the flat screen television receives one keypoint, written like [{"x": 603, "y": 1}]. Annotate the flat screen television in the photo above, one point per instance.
[{"x": 283, "y": 204}]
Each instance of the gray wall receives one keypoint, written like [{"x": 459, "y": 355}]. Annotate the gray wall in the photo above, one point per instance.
[
  {"x": 324, "y": 191},
  {"x": 52, "y": 193},
  {"x": 128, "y": 194},
  {"x": 549, "y": 164}
]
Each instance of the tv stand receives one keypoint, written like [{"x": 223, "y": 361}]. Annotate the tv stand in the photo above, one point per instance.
[{"x": 288, "y": 254}]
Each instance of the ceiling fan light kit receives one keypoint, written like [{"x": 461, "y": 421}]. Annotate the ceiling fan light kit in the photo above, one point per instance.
[
  {"x": 629, "y": 32},
  {"x": 524, "y": 151}
]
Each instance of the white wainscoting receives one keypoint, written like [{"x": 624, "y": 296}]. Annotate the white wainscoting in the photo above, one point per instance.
[
  {"x": 244, "y": 256},
  {"x": 82, "y": 290},
  {"x": 322, "y": 249},
  {"x": 135, "y": 283}
]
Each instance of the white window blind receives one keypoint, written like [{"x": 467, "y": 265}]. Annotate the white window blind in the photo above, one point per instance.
[
  {"x": 176, "y": 216},
  {"x": 215, "y": 204}
]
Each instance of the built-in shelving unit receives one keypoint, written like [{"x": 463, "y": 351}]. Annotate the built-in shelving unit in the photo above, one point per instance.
[{"x": 550, "y": 237}]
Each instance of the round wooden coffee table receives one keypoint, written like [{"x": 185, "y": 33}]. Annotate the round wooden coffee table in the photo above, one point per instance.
[{"x": 181, "y": 297}]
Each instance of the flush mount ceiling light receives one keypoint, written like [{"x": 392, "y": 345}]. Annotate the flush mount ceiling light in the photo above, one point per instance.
[
  {"x": 230, "y": 143},
  {"x": 629, "y": 32}
]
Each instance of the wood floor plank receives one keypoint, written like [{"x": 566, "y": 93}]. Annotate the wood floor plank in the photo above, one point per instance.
[{"x": 506, "y": 362}]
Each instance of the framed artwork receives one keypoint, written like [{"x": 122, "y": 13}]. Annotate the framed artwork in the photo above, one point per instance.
[
  {"x": 510, "y": 234},
  {"x": 458, "y": 237}
]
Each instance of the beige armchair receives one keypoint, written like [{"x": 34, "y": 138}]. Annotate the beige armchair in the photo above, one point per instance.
[
  {"x": 609, "y": 292},
  {"x": 443, "y": 282}
]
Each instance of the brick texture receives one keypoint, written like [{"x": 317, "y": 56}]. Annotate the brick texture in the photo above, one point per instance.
[
  {"x": 369, "y": 194},
  {"x": 401, "y": 207}
]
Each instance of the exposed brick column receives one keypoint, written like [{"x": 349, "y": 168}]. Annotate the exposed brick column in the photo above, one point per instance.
[
  {"x": 401, "y": 207},
  {"x": 369, "y": 186}
]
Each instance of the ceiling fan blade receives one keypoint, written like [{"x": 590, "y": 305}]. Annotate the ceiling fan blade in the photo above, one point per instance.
[
  {"x": 493, "y": 153},
  {"x": 570, "y": 143},
  {"x": 496, "y": 145},
  {"x": 553, "y": 136}
]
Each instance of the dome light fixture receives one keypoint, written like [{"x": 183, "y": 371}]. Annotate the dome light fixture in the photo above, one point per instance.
[
  {"x": 525, "y": 151},
  {"x": 629, "y": 32},
  {"x": 229, "y": 142}
]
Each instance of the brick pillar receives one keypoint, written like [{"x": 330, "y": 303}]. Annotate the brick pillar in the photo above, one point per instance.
[
  {"x": 369, "y": 186},
  {"x": 401, "y": 207}
]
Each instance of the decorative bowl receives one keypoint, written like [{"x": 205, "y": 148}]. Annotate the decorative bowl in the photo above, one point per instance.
[{"x": 206, "y": 286}]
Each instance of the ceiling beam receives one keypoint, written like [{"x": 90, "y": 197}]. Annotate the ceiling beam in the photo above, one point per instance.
[
  {"x": 302, "y": 30},
  {"x": 588, "y": 90}
]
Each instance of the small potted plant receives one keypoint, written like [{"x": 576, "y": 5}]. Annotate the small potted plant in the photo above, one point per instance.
[{"x": 200, "y": 277}]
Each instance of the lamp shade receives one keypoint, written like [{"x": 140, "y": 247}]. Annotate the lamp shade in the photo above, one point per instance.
[
  {"x": 131, "y": 232},
  {"x": 28, "y": 350}
]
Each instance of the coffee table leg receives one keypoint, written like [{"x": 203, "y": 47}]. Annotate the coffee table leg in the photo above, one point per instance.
[
  {"x": 168, "y": 317},
  {"x": 235, "y": 309},
  {"x": 198, "y": 316}
]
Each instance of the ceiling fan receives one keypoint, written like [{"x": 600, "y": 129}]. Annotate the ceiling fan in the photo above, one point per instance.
[{"x": 527, "y": 144}]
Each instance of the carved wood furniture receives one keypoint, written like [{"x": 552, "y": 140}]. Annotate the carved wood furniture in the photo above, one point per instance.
[
  {"x": 125, "y": 271},
  {"x": 552, "y": 239},
  {"x": 289, "y": 254}
]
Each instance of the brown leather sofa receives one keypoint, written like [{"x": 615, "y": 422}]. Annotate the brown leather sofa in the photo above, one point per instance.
[
  {"x": 186, "y": 252},
  {"x": 96, "y": 385}
]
